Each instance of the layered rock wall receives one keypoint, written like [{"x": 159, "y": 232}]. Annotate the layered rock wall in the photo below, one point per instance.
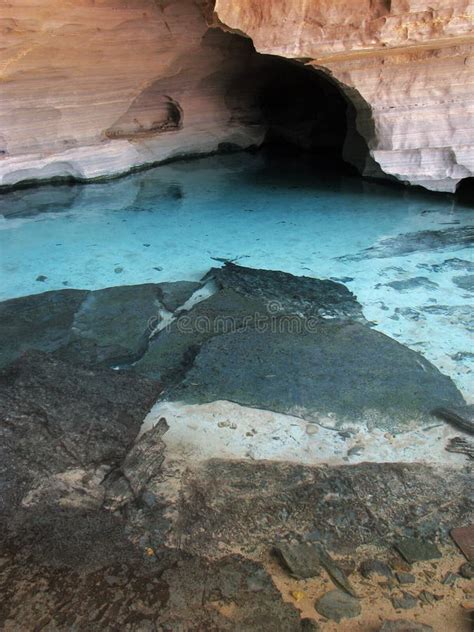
[
  {"x": 406, "y": 65},
  {"x": 95, "y": 88},
  {"x": 92, "y": 88}
]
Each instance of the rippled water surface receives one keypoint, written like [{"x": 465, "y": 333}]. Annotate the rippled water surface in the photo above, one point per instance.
[{"x": 403, "y": 252}]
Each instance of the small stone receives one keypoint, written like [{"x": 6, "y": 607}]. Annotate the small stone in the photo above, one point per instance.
[
  {"x": 467, "y": 570},
  {"x": 302, "y": 560},
  {"x": 158, "y": 268},
  {"x": 311, "y": 429},
  {"x": 118, "y": 270},
  {"x": 309, "y": 625},
  {"x": 41, "y": 278},
  {"x": 450, "y": 579},
  {"x": 146, "y": 245},
  {"x": 298, "y": 595},
  {"x": 405, "y": 578},
  {"x": 414, "y": 550},
  {"x": 405, "y": 601},
  {"x": 375, "y": 567},
  {"x": 337, "y": 605},
  {"x": 401, "y": 625},
  {"x": 427, "y": 598}
]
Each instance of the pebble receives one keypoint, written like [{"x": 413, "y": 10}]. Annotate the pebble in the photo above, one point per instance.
[
  {"x": 405, "y": 578},
  {"x": 405, "y": 601},
  {"x": 41, "y": 278},
  {"x": 337, "y": 605}
]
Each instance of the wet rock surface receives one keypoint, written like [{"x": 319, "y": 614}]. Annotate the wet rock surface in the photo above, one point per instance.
[
  {"x": 380, "y": 382},
  {"x": 101, "y": 327},
  {"x": 290, "y": 295}
]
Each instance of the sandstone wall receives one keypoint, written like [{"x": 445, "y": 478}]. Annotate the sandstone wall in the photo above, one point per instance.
[
  {"x": 95, "y": 87},
  {"x": 407, "y": 65}
]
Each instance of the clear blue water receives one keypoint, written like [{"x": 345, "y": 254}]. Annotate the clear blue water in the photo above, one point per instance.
[{"x": 168, "y": 223}]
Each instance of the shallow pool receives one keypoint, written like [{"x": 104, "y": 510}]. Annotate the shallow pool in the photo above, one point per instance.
[{"x": 403, "y": 252}]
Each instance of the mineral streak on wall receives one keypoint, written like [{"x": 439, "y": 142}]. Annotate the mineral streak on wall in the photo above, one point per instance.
[{"x": 93, "y": 88}]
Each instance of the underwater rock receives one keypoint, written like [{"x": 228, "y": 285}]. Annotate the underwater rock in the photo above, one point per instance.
[
  {"x": 41, "y": 321},
  {"x": 172, "y": 350},
  {"x": 112, "y": 326},
  {"x": 460, "y": 445},
  {"x": 422, "y": 241},
  {"x": 449, "y": 264},
  {"x": 380, "y": 383},
  {"x": 337, "y": 605},
  {"x": 286, "y": 294},
  {"x": 100, "y": 327},
  {"x": 412, "y": 284},
  {"x": 465, "y": 282},
  {"x": 301, "y": 559},
  {"x": 460, "y": 314}
]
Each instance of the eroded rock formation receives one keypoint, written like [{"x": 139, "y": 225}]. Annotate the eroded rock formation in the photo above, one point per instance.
[
  {"x": 93, "y": 90},
  {"x": 406, "y": 65}
]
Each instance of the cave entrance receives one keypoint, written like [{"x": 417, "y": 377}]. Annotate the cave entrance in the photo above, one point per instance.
[{"x": 301, "y": 108}]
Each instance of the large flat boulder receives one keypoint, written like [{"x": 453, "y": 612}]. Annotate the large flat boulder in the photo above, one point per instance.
[{"x": 339, "y": 375}]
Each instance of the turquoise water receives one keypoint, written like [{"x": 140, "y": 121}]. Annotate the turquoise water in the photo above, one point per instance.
[{"x": 169, "y": 223}]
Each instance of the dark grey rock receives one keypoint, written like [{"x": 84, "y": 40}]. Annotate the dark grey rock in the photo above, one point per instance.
[
  {"x": 41, "y": 321},
  {"x": 412, "y": 284},
  {"x": 422, "y": 241},
  {"x": 172, "y": 351},
  {"x": 460, "y": 416},
  {"x": 375, "y": 567},
  {"x": 450, "y": 579},
  {"x": 113, "y": 325},
  {"x": 287, "y": 294},
  {"x": 467, "y": 570},
  {"x": 427, "y": 598},
  {"x": 401, "y": 625},
  {"x": 303, "y": 560},
  {"x": 405, "y": 578},
  {"x": 103, "y": 327},
  {"x": 416, "y": 550},
  {"x": 405, "y": 601},
  {"x": 55, "y": 416},
  {"x": 465, "y": 282},
  {"x": 337, "y": 605},
  {"x": 379, "y": 382},
  {"x": 42, "y": 278}
]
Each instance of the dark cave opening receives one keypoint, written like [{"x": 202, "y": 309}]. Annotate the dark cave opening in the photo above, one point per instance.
[{"x": 302, "y": 109}]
